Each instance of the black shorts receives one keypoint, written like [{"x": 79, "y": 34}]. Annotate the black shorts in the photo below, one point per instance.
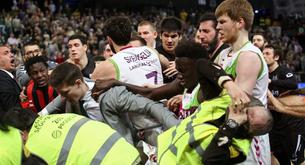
[{"x": 288, "y": 148}]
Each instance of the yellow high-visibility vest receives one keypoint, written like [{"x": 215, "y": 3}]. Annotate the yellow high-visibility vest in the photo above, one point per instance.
[
  {"x": 74, "y": 139},
  {"x": 10, "y": 147},
  {"x": 186, "y": 142}
]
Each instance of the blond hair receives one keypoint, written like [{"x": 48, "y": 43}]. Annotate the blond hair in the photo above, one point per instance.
[{"x": 237, "y": 9}]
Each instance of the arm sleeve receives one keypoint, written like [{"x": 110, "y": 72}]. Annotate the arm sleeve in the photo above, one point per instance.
[
  {"x": 55, "y": 105},
  {"x": 218, "y": 151},
  {"x": 22, "y": 78},
  {"x": 211, "y": 71},
  {"x": 117, "y": 101},
  {"x": 121, "y": 100},
  {"x": 93, "y": 110},
  {"x": 164, "y": 92},
  {"x": 9, "y": 100}
]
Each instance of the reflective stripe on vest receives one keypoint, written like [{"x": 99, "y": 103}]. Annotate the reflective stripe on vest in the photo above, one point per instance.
[
  {"x": 74, "y": 139},
  {"x": 172, "y": 147},
  {"x": 191, "y": 141},
  {"x": 69, "y": 140},
  {"x": 101, "y": 153},
  {"x": 186, "y": 143}
]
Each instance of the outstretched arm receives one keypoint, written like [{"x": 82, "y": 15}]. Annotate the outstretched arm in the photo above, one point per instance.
[
  {"x": 55, "y": 105},
  {"x": 164, "y": 92},
  {"x": 120, "y": 100},
  {"x": 219, "y": 78},
  {"x": 291, "y": 105}
]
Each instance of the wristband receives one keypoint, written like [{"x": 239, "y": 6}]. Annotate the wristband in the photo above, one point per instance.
[{"x": 223, "y": 79}]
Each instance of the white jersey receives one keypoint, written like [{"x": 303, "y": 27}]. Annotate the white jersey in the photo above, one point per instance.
[
  {"x": 138, "y": 66},
  {"x": 260, "y": 148},
  {"x": 229, "y": 65}
]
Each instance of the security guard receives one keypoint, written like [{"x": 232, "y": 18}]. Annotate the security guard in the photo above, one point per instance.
[
  {"x": 11, "y": 145},
  {"x": 73, "y": 139},
  {"x": 190, "y": 141}
]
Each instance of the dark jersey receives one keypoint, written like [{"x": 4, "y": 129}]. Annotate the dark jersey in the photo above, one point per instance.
[
  {"x": 89, "y": 67},
  {"x": 170, "y": 57},
  {"x": 286, "y": 129},
  {"x": 282, "y": 79},
  {"x": 39, "y": 96}
]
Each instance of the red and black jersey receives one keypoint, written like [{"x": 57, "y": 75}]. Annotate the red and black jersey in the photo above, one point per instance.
[{"x": 39, "y": 96}]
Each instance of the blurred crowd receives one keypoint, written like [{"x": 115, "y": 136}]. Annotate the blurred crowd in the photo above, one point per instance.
[
  {"x": 52, "y": 25},
  {"x": 163, "y": 85}
]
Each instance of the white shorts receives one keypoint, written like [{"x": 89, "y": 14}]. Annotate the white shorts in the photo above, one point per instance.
[{"x": 260, "y": 153}]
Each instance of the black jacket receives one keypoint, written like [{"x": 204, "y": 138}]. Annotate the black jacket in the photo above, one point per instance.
[{"x": 9, "y": 91}]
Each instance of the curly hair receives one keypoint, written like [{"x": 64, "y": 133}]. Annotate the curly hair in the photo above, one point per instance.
[
  {"x": 190, "y": 49},
  {"x": 33, "y": 60}
]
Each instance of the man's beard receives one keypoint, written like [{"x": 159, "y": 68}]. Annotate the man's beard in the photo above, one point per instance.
[{"x": 212, "y": 46}]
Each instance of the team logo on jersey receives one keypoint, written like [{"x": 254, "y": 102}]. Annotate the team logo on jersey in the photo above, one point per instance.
[{"x": 288, "y": 75}]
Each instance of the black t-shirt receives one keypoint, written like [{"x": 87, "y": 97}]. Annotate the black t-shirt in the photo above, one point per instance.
[
  {"x": 170, "y": 57},
  {"x": 89, "y": 67},
  {"x": 283, "y": 79},
  {"x": 44, "y": 99}
]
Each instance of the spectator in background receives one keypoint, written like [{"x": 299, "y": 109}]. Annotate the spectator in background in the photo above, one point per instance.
[
  {"x": 12, "y": 40},
  {"x": 59, "y": 58},
  {"x": 106, "y": 50},
  {"x": 259, "y": 40},
  {"x": 31, "y": 49}
]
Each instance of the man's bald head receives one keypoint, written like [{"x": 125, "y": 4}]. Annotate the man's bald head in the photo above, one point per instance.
[{"x": 259, "y": 118}]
